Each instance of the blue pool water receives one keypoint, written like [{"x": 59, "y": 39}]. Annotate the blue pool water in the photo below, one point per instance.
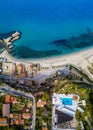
[
  {"x": 66, "y": 101},
  {"x": 44, "y": 21}
]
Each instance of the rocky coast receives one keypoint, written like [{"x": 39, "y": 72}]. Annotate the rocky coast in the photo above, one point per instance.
[{"x": 6, "y": 39}]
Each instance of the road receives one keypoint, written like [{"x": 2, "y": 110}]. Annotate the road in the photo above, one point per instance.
[
  {"x": 88, "y": 122},
  {"x": 53, "y": 116},
  {"x": 19, "y": 93}
]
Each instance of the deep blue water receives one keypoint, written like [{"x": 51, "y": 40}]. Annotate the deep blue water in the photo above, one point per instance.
[{"x": 44, "y": 21}]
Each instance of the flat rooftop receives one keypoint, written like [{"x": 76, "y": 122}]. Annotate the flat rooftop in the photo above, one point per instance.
[{"x": 66, "y": 103}]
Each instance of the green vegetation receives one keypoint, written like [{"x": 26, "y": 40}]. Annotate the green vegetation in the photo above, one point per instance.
[
  {"x": 4, "y": 128},
  {"x": 16, "y": 108},
  {"x": 14, "y": 127},
  {"x": 57, "y": 84},
  {"x": 63, "y": 85},
  {"x": 44, "y": 114},
  {"x": 1, "y": 82},
  {"x": 2, "y": 99}
]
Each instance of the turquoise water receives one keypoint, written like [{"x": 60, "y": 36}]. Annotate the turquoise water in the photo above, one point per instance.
[
  {"x": 66, "y": 101},
  {"x": 44, "y": 21}
]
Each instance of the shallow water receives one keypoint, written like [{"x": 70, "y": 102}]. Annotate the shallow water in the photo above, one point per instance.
[{"x": 44, "y": 21}]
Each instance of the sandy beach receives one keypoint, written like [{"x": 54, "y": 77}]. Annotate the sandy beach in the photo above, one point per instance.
[{"x": 80, "y": 59}]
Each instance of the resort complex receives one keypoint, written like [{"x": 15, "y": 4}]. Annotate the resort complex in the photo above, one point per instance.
[
  {"x": 46, "y": 64},
  {"x": 54, "y": 93},
  {"x": 64, "y": 109},
  {"x": 37, "y": 96},
  {"x": 46, "y": 94}
]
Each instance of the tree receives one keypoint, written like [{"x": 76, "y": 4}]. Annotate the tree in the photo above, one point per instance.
[{"x": 78, "y": 115}]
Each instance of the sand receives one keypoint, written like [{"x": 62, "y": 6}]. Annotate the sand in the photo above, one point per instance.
[{"x": 80, "y": 59}]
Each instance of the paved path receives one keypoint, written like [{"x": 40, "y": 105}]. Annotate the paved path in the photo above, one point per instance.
[{"x": 88, "y": 122}]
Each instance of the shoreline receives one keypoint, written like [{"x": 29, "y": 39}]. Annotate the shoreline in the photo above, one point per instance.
[
  {"x": 80, "y": 57},
  {"x": 74, "y": 57},
  {"x": 80, "y": 60}
]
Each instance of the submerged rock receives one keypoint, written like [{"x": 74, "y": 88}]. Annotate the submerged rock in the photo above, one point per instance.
[
  {"x": 25, "y": 52},
  {"x": 63, "y": 42},
  {"x": 6, "y": 39},
  {"x": 9, "y": 34},
  {"x": 84, "y": 40}
]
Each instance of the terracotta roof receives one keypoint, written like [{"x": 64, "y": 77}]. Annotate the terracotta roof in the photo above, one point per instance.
[
  {"x": 13, "y": 100},
  {"x": 11, "y": 115},
  {"x": 12, "y": 122},
  {"x": 44, "y": 128},
  {"x": 22, "y": 122},
  {"x": 75, "y": 98},
  {"x": 7, "y": 99},
  {"x": 17, "y": 116},
  {"x": 6, "y": 110},
  {"x": 21, "y": 70},
  {"x": 3, "y": 122},
  {"x": 26, "y": 115},
  {"x": 19, "y": 122},
  {"x": 41, "y": 103},
  {"x": 16, "y": 120}
]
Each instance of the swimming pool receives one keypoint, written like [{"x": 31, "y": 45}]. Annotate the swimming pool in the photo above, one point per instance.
[{"x": 66, "y": 101}]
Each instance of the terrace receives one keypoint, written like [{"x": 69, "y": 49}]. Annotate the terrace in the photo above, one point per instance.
[{"x": 64, "y": 108}]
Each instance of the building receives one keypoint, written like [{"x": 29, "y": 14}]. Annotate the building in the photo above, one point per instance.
[
  {"x": 17, "y": 116},
  {"x": 21, "y": 70},
  {"x": 66, "y": 103},
  {"x": 64, "y": 71},
  {"x": 21, "y": 81},
  {"x": 28, "y": 82},
  {"x": 11, "y": 116},
  {"x": 16, "y": 119},
  {"x": 64, "y": 109},
  {"x": 62, "y": 117},
  {"x": 3, "y": 122},
  {"x": 41, "y": 103},
  {"x": 44, "y": 128},
  {"x": 6, "y": 110},
  {"x": 24, "y": 109},
  {"x": 7, "y": 99},
  {"x": 8, "y": 68},
  {"x": 30, "y": 70},
  {"x": 13, "y": 100},
  {"x": 26, "y": 115},
  {"x": 19, "y": 122}
]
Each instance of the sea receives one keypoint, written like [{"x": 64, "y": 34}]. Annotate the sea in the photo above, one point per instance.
[{"x": 44, "y": 23}]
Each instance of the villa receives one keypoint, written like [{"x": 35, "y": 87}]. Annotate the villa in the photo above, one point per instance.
[
  {"x": 26, "y": 115},
  {"x": 13, "y": 100},
  {"x": 64, "y": 109},
  {"x": 41, "y": 103},
  {"x": 6, "y": 110},
  {"x": 21, "y": 70},
  {"x": 3, "y": 122},
  {"x": 44, "y": 128},
  {"x": 16, "y": 119},
  {"x": 7, "y": 99}
]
